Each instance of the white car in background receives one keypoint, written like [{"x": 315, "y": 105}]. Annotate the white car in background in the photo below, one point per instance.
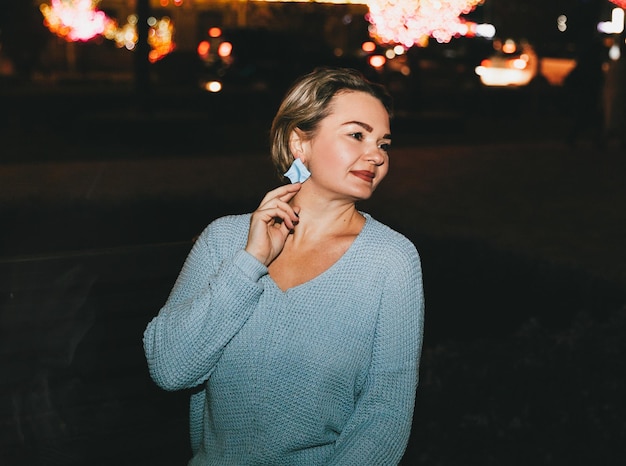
[{"x": 511, "y": 65}]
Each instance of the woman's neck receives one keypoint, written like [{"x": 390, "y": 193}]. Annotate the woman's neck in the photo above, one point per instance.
[{"x": 320, "y": 218}]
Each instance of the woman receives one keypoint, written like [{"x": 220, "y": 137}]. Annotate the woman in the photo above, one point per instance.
[{"x": 300, "y": 325}]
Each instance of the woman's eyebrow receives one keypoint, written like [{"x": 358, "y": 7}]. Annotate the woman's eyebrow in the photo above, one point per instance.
[{"x": 366, "y": 127}]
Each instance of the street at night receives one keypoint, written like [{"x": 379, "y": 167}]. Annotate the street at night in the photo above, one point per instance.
[{"x": 517, "y": 209}]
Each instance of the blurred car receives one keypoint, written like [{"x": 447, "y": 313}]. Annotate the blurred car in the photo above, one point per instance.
[{"x": 510, "y": 65}]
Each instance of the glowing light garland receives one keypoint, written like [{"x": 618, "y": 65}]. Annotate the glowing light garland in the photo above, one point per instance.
[
  {"x": 76, "y": 20},
  {"x": 405, "y": 22},
  {"x": 160, "y": 39},
  {"x": 408, "y": 22},
  {"x": 160, "y": 36},
  {"x": 80, "y": 20}
]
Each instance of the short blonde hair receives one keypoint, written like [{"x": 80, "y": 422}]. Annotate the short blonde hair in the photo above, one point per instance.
[{"x": 307, "y": 103}]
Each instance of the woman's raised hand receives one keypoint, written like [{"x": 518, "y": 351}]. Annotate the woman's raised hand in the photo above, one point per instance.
[{"x": 271, "y": 223}]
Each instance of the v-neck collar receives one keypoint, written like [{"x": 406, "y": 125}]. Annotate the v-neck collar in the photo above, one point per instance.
[{"x": 330, "y": 269}]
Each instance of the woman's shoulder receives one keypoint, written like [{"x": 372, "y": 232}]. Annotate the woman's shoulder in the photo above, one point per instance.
[
  {"x": 389, "y": 252},
  {"x": 228, "y": 228},
  {"x": 386, "y": 237},
  {"x": 231, "y": 221}
]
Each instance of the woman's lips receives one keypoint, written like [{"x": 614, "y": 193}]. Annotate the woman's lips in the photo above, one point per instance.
[{"x": 365, "y": 175}]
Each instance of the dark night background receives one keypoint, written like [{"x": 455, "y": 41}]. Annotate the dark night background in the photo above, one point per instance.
[{"x": 515, "y": 202}]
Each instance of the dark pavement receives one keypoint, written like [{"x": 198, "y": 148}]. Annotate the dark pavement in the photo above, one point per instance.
[{"x": 521, "y": 237}]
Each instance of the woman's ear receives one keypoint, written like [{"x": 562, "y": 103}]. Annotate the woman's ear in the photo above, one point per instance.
[{"x": 297, "y": 144}]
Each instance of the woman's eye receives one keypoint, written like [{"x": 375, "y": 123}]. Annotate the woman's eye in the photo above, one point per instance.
[
  {"x": 357, "y": 136},
  {"x": 384, "y": 146}
]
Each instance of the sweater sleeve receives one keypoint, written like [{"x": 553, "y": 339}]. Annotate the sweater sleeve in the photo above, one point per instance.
[
  {"x": 378, "y": 431},
  {"x": 210, "y": 302}
]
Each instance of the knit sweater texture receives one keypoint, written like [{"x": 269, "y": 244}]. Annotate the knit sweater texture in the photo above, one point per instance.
[{"x": 323, "y": 373}]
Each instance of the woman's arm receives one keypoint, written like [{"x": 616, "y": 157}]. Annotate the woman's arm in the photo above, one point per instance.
[
  {"x": 212, "y": 299},
  {"x": 208, "y": 305},
  {"x": 378, "y": 430}
]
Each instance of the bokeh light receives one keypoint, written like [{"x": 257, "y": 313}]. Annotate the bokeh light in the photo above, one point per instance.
[
  {"x": 203, "y": 48},
  {"x": 213, "y": 86},
  {"x": 407, "y": 22},
  {"x": 75, "y": 20},
  {"x": 512, "y": 65},
  {"x": 225, "y": 49},
  {"x": 160, "y": 39},
  {"x": 125, "y": 36},
  {"x": 368, "y": 46},
  {"x": 616, "y": 25},
  {"x": 80, "y": 20},
  {"x": 215, "y": 32},
  {"x": 377, "y": 61}
]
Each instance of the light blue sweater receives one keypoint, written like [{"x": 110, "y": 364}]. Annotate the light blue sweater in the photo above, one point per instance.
[{"x": 322, "y": 374}]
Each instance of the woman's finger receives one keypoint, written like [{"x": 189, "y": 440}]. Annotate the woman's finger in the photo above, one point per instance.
[
  {"x": 282, "y": 205},
  {"x": 282, "y": 211}
]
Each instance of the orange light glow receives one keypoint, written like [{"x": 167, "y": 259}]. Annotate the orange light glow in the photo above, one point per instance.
[
  {"x": 368, "y": 46},
  {"x": 203, "y": 48},
  {"x": 213, "y": 86},
  {"x": 377, "y": 61},
  {"x": 79, "y": 20},
  {"x": 215, "y": 32},
  {"x": 225, "y": 49},
  {"x": 509, "y": 46},
  {"x": 160, "y": 39},
  {"x": 165, "y": 2},
  {"x": 555, "y": 70}
]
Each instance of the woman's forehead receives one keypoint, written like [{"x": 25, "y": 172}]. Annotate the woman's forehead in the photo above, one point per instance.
[{"x": 357, "y": 106}]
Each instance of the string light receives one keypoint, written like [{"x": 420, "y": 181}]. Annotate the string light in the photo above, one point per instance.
[
  {"x": 80, "y": 20},
  {"x": 408, "y": 22},
  {"x": 404, "y": 22},
  {"x": 75, "y": 20}
]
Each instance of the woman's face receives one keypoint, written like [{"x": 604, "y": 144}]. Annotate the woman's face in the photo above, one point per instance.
[{"x": 347, "y": 156}]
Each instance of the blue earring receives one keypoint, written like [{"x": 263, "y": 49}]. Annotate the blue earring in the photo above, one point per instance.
[{"x": 297, "y": 173}]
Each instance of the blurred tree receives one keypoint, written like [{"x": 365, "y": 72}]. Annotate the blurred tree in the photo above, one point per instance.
[{"x": 22, "y": 34}]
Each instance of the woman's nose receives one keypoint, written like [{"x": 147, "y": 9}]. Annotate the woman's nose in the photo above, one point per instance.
[{"x": 375, "y": 155}]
